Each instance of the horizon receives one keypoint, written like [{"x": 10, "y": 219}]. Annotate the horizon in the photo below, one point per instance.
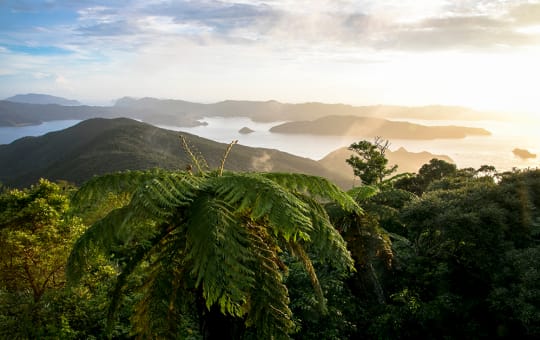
[{"x": 480, "y": 55}]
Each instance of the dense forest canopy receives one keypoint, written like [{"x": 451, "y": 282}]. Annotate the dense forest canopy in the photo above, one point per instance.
[{"x": 214, "y": 254}]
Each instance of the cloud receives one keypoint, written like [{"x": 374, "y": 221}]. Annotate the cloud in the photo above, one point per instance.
[
  {"x": 306, "y": 47},
  {"x": 457, "y": 33},
  {"x": 115, "y": 28},
  {"x": 480, "y": 27},
  {"x": 219, "y": 14},
  {"x": 526, "y": 14},
  {"x": 41, "y": 75},
  {"x": 61, "y": 80}
]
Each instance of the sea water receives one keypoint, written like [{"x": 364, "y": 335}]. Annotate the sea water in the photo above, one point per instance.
[
  {"x": 472, "y": 151},
  {"x": 10, "y": 133}
]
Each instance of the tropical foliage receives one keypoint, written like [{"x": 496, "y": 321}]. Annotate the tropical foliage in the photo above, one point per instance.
[
  {"x": 216, "y": 240},
  {"x": 214, "y": 254},
  {"x": 368, "y": 161}
]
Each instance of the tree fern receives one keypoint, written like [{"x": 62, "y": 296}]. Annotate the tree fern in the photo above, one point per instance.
[{"x": 217, "y": 236}]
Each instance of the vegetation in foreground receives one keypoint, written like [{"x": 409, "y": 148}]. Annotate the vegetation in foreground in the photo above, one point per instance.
[{"x": 204, "y": 254}]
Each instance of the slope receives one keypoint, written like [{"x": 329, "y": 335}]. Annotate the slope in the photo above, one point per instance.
[
  {"x": 98, "y": 146},
  {"x": 405, "y": 160}
]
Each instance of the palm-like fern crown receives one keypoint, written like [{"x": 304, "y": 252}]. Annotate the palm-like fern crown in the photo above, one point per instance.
[{"x": 220, "y": 233}]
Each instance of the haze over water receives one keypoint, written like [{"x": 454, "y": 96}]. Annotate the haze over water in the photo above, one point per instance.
[{"x": 475, "y": 151}]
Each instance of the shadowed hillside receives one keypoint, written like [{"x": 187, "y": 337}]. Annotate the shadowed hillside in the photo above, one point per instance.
[
  {"x": 405, "y": 160},
  {"x": 99, "y": 146}
]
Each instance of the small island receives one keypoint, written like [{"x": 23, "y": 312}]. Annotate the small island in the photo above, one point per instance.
[
  {"x": 245, "y": 130},
  {"x": 523, "y": 154}
]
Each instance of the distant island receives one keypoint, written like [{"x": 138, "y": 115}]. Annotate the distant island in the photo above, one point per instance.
[
  {"x": 245, "y": 130},
  {"x": 524, "y": 154},
  {"x": 38, "y": 98},
  {"x": 371, "y": 127}
]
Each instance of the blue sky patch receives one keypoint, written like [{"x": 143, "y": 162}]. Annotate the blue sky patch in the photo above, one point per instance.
[{"x": 37, "y": 50}]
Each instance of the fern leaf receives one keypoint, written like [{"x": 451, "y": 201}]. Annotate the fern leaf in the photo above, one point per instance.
[
  {"x": 167, "y": 309},
  {"x": 269, "y": 300},
  {"x": 220, "y": 256},
  {"x": 259, "y": 197},
  {"x": 196, "y": 157},
  {"x": 326, "y": 241},
  {"x": 102, "y": 237},
  {"x": 301, "y": 254},
  {"x": 97, "y": 188},
  {"x": 363, "y": 192},
  {"x": 316, "y": 187}
]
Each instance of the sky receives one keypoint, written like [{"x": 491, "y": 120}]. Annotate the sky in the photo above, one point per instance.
[{"x": 474, "y": 53}]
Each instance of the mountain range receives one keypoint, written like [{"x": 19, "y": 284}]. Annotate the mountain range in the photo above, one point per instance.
[
  {"x": 37, "y": 98},
  {"x": 184, "y": 113},
  {"x": 98, "y": 146}
]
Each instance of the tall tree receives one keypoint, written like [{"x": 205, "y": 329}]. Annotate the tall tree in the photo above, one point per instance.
[
  {"x": 214, "y": 239},
  {"x": 36, "y": 236},
  {"x": 369, "y": 162}
]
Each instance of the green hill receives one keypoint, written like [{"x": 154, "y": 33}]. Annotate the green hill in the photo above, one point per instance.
[{"x": 98, "y": 146}]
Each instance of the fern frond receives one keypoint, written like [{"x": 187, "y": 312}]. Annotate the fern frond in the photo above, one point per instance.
[
  {"x": 136, "y": 256},
  {"x": 160, "y": 197},
  {"x": 225, "y": 155},
  {"x": 326, "y": 241},
  {"x": 301, "y": 254},
  {"x": 363, "y": 192},
  {"x": 196, "y": 157},
  {"x": 97, "y": 188},
  {"x": 153, "y": 203},
  {"x": 218, "y": 248},
  {"x": 103, "y": 236},
  {"x": 269, "y": 299},
  {"x": 263, "y": 199},
  {"x": 317, "y": 187},
  {"x": 167, "y": 309}
]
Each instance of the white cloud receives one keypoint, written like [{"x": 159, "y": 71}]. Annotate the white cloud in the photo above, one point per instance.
[
  {"x": 61, "y": 80},
  {"x": 360, "y": 52}
]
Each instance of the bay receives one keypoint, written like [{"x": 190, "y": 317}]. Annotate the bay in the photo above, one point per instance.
[
  {"x": 473, "y": 152},
  {"x": 9, "y": 134}
]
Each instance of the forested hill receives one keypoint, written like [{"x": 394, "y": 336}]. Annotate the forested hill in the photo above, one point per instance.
[{"x": 98, "y": 146}]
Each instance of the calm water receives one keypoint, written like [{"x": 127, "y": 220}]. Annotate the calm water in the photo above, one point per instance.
[
  {"x": 494, "y": 150},
  {"x": 9, "y": 134},
  {"x": 468, "y": 152}
]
